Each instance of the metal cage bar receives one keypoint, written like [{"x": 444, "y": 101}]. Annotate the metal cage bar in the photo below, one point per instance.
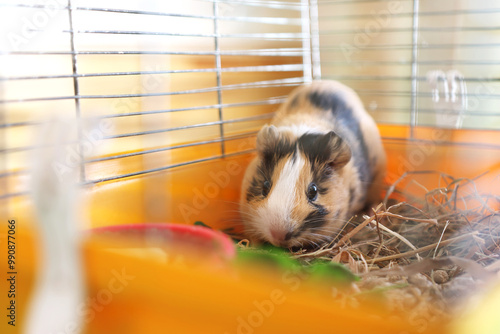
[
  {"x": 218, "y": 65},
  {"x": 76, "y": 89},
  {"x": 414, "y": 68}
]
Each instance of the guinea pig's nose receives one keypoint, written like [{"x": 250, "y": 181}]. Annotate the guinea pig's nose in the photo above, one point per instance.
[{"x": 277, "y": 236}]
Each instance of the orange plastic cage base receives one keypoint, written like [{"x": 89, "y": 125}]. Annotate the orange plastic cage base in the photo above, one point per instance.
[{"x": 167, "y": 296}]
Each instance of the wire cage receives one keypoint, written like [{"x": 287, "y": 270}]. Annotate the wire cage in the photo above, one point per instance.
[
  {"x": 208, "y": 74},
  {"x": 175, "y": 92}
]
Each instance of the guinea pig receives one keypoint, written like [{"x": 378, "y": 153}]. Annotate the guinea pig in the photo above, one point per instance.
[{"x": 318, "y": 162}]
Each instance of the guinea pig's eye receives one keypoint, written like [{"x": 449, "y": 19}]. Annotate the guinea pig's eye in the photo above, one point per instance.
[
  {"x": 266, "y": 188},
  {"x": 312, "y": 192}
]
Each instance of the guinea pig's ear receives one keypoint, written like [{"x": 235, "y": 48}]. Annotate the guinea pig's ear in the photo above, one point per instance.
[
  {"x": 267, "y": 137},
  {"x": 338, "y": 152}
]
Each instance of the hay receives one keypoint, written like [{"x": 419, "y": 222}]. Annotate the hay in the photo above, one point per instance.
[{"x": 426, "y": 253}]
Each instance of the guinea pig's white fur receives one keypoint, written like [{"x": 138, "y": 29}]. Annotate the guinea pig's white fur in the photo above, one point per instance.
[{"x": 319, "y": 161}]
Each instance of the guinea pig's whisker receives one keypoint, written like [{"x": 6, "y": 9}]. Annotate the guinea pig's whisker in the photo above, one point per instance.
[
  {"x": 250, "y": 211},
  {"x": 230, "y": 202},
  {"x": 234, "y": 223},
  {"x": 342, "y": 220},
  {"x": 321, "y": 236},
  {"x": 318, "y": 234},
  {"x": 326, "y": 229},
  {"x": 233, "y": 211},
  {"x": 247, "y": 216},
  {"x": 301, "y": 244},
  {"x": 313, "y": 243}
]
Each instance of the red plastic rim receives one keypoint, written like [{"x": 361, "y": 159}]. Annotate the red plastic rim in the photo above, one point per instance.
[{"x": 182, "y": 231}]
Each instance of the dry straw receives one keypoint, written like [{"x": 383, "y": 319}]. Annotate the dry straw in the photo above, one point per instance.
[{"x": 427, "y": 251}]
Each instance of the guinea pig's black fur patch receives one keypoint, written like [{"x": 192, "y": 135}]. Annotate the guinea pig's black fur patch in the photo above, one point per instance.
[
  {"x": 255, "y": 189},
  {"x": 326, "y": 101},
  {"x": 315, "y": 218},
  {"x": 271, "y": 155},
  {"x": 351, "y": 196},
  {"x": 317, "y": 148},
  {"x": 274, "y": 153},
  {"x": 348, "y": 128}
]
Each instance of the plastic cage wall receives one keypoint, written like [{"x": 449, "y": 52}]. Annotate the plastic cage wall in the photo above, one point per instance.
[{"x": 173, "y": 84}]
